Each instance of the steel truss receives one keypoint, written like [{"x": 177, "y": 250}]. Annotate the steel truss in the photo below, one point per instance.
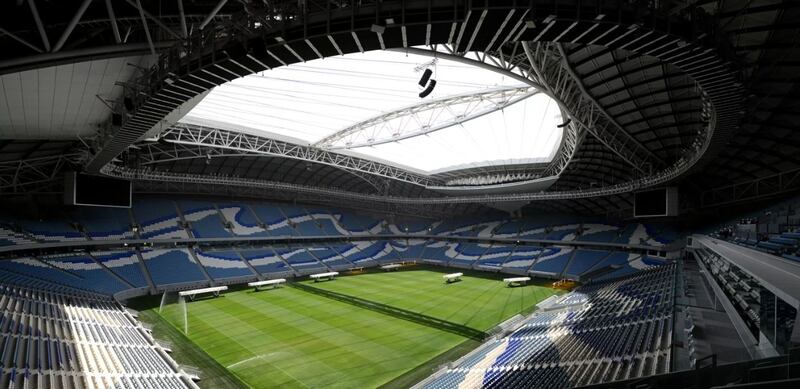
[
  {"x": 16, "y": 176},
  {"x": 510, "y": 66},
  {"x": 773, "y": 185},
  {"x": 425, "y": 118},
  {"x": 217, "y": 142},
  {"x": 721, "y": 96},
  {"x": 232, "y": 181}
]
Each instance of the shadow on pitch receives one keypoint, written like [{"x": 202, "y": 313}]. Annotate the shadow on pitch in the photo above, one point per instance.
[{"x": 399, "y": 313}]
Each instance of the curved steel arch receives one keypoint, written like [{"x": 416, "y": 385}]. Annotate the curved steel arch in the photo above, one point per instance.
[
  {"x": 184, "y": 75},
  {"x": 373, "y": 131}
]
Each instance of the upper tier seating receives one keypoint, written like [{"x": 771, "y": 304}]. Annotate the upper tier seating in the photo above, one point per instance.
[
  {"x": 303, "y": 223},
  {"x": 274, "y": 220},
  {"x": 326, "y": 222},
  {"x": 204, "y": 219},
  {"x": 357, "y": 224},
  {"x": 466, "y": 227},
  {"x": 158, "y": 219},
  {"x": 8, "y": 237},
  {"x": 413, "y": 227},
  {"x": 242, "y": 220},
  {"x": 161, "y": 219},
  {"x": 51, "y": 230},
  {"x": 223, "y": 264},
  {"x": 619, "y": 329},
  {"x": 104, "y": 223}
]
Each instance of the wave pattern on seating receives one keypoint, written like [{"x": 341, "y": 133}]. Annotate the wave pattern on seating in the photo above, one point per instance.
[
  {"x": 622, "y": 329},
  {"x": 222, "y": 264},
  {"x": 171, "y": 266},
  {"x": 164, "y": 219}
]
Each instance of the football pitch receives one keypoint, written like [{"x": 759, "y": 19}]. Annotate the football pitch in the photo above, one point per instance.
[{"x": 359, "y": 331}]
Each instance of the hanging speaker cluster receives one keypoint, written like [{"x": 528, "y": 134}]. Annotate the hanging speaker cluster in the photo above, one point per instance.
[
  {"x": 427, "y": 82},
  {"x": 566, "y": 123}
]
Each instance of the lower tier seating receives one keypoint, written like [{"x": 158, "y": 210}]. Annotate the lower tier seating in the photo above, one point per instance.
[
  {"x": 604, "y": 331},
  {"x": 57, "y": 337}
]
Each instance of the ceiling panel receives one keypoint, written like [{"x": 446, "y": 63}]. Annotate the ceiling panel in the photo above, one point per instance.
[{"x": 61, "y": 102}]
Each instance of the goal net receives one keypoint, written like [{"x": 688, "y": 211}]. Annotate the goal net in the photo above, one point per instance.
[{"x": 173, "y": 308}]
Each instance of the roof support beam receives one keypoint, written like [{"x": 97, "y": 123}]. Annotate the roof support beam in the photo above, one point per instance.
[
  {"x": 637, "y": 147},
  {"x": 39, "y": 25},
  {"x": 184, "y": 30},
  {"x": 137, "y": 5},
  {"x": 20, "y": 40},
  {"x": 146, "y": 29},
  {"x": 112, "y": 17},
  {"x": 71, "y": 26},
  {"x": 212, "y": 14}
]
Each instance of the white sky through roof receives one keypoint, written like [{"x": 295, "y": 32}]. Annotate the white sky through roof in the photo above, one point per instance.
[{"x": 308, "y": 101}]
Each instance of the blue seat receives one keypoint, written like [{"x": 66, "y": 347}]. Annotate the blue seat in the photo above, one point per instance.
[
  {"x": 276, "y": 222},
  {"x": 158, "y": 219},
  {"x": 358, "y": 224},
  {"x": 204, "y": 219},
  {"x": 783, "y": 241},
  {"x": 242, "y": 220},
  {"x": 265, "y": 260},
  {"x": 330, "y": 256},
  {"x": 303, "y": 223},
  {"x": 171, "y": 266},
  {"x": 125, "y": 264},
  {"x": 223, "y": 264},
  {"x": 792, "y": 257},
  {"x": 585, "y": 260},
  {"x": 522, "y": 257},
  {"x": 553, "y": 261}
]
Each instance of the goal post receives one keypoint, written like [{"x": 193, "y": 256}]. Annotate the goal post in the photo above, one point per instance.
[{"x": 173, "y": 308}]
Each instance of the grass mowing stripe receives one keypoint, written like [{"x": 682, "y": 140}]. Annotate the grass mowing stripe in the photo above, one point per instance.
[
  {"x": 186, "y": 352},
  {"x": 291, "y": 338},
  {"x": 477, "y": 302},
  {"x": 399, "y": 313},
  {"x": 329, "y": 337}
]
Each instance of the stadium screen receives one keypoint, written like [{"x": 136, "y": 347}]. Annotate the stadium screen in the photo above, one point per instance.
[
  {"x": 657, "y": 202},
  {"x": 97, "y": 191}
]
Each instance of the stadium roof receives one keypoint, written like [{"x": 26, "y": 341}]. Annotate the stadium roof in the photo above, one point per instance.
[
  {"x": 659, "y": 83},
  {"x": 308, "y": 102}
]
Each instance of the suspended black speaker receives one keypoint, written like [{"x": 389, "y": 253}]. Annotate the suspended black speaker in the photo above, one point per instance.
[
  {"x": 426, "y": 75},
  {"x": 428, "y": 90}
]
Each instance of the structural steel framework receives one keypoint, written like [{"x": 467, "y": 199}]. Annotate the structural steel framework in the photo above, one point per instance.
[
  {"x": 228, "y": 43},
  {"x": 17, "y": 175},
  {"x": 193, "y": 135},
  {"x": 425, "y": 118}
]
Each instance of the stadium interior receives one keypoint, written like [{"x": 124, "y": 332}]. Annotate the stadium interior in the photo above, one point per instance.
[{"x": 399, "y": 194}]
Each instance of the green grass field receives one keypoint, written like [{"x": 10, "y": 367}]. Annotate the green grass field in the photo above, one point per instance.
[{"x": 358, "y": 331}]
